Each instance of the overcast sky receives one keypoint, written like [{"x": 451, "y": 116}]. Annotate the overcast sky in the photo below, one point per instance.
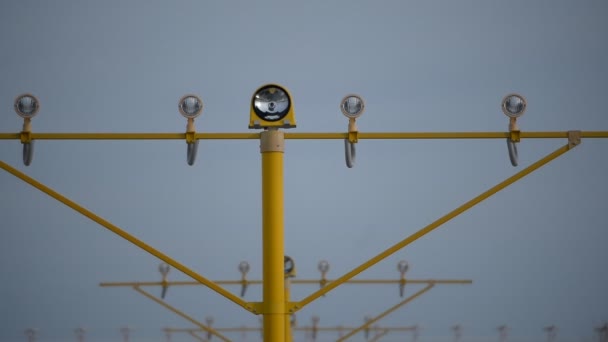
[{"x": 536, "y": 251}]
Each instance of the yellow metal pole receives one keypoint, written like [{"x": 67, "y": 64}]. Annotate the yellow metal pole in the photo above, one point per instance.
[
  {"x": 180, "y": 313},
  {"x": 273, "y": 306},
  {"x": 115, "y": 229},
  {"x": 387, "y": 312},
  {"x": 429, "y": 228}
]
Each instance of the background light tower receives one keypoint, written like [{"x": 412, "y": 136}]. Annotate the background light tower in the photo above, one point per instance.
[
  {"x": 503, "y": 333},
  {"x": 551, "y": 333},
  {"x": 602, "y": 332},
  {"x": 80, "y": 334},
  {"x": 125, "y": 331},
  {"x": 415, "y": 333},
  {"x": 31, "y": 334},
  {"x": 457, "y": 331}
]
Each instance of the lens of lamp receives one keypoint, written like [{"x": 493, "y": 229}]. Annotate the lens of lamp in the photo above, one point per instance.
[
  {"x": 26, "y": 105},
  {"x": 271, "y": 103},
  {"x": 403, "y": 266},
  {"x": 190, "y": 106},
  {"x": 514, "y": 105},
  {"x": 244, "y": 267},
  {"x": 288, "y": 264},
  {"x": 352, "y": 106},
  {"x": 323, "y": 266}
]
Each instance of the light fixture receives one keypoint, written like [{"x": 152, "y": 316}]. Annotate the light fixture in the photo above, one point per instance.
[
  {"x": 403, "y": 266},
  {"x": 271, "y": 106},
  {"x": 514, "y": 105},
  {"x": 164, "y": 270},
  {"x": 289, "y": 267},
  {"x": 323, "y": 266},
  {"x": 352, "y": 106},
  {"x": 244, "y": 267},
  {"x": 190, "y": 106},
  {"x": 26, "y": 106}
]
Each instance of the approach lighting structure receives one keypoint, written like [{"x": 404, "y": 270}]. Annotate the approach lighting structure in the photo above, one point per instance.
[
  {"x": 271, "y": 107},
  {"x": 190, "y": 106}
]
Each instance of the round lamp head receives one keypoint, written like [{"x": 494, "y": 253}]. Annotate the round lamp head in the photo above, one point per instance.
[
  {"x": 288, "y": 264},
  {"x": 271, "y": 103},
  {"x": 403, "y": 266},
  {"x": 244, "y": 267},
  {"x": 352, "y": 106},
  {"x": 209, "y": 320},
  {"x": 26, "y": 106},
  {"x": 164, "y": 269},
  {"x": 323, "y": 266},
  {"x": 315, "y": 319},
  {"x": 514, "y": 105},
  {"x": 190, "y": 106}
]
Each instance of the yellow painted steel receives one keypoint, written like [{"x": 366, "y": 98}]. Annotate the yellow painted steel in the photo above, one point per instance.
[
  {"x": 385, "y": 313},
  {"x": 468, "y": 205},
  {"x": 292, "y": 281},
  {"x": 193, "y": 334},
  {"x": 304, "y": 136},
  {"x": 274, "y": 305},
  {"x": 181, "y": 314},
  {"x": 120, "y": 232},
  {"x": 378, "y": 336}
]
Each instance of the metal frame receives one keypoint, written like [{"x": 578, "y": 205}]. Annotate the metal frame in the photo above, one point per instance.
[{"x": 274, "y": 306}]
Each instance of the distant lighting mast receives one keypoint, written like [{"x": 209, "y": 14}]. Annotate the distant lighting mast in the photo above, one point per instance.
[
  {"x": 80, "y": 334},
  {"x": 31, "y": 334},
  {"x": 602, "y": 332},
  {"x": 503, "y": 333},
  {"x": 551, "y": 333},
  {"x": 125, "y": 331},
  {"x": 457, "y": 331}
]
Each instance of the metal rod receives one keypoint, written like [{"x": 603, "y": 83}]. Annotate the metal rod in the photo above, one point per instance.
[
  {"x": 182, "y": 314},
  {"x": 368, "y": 323},
  {"x": 123, "y": 234},
  {"x": 429, "y": 228}
]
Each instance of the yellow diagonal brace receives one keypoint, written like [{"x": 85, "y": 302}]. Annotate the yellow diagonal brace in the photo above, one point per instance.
[
  {"x": 193, "y": 334},
  {"x": 379, "y": 336},
  {"x": 180, "y": 313},
  {"x": 387, "y": 312},
  {"x": 468, "y": 205},
  {"x": 132, "y": 239}
]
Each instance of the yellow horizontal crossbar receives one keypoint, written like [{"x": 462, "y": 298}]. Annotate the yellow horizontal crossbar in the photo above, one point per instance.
[
  {"x": 293, "y": 281},
  {"x": 302, "y": 136}
]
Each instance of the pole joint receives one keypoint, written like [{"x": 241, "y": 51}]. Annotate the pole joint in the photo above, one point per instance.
[{"x": 574, "y": 138}]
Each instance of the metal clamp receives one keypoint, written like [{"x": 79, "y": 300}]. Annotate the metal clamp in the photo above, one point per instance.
[
  {"x": 28, "y": 143},
  {"x": 512, "y": 140},
  {"x": 350, "y": 152},
  {"x": 192, "y": 143}
]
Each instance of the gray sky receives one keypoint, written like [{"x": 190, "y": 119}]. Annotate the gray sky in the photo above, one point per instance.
[{"x": 536, "y": 251}]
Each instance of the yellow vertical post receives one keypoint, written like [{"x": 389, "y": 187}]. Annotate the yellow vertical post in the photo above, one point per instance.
[{"x": 272, "y": 144}]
